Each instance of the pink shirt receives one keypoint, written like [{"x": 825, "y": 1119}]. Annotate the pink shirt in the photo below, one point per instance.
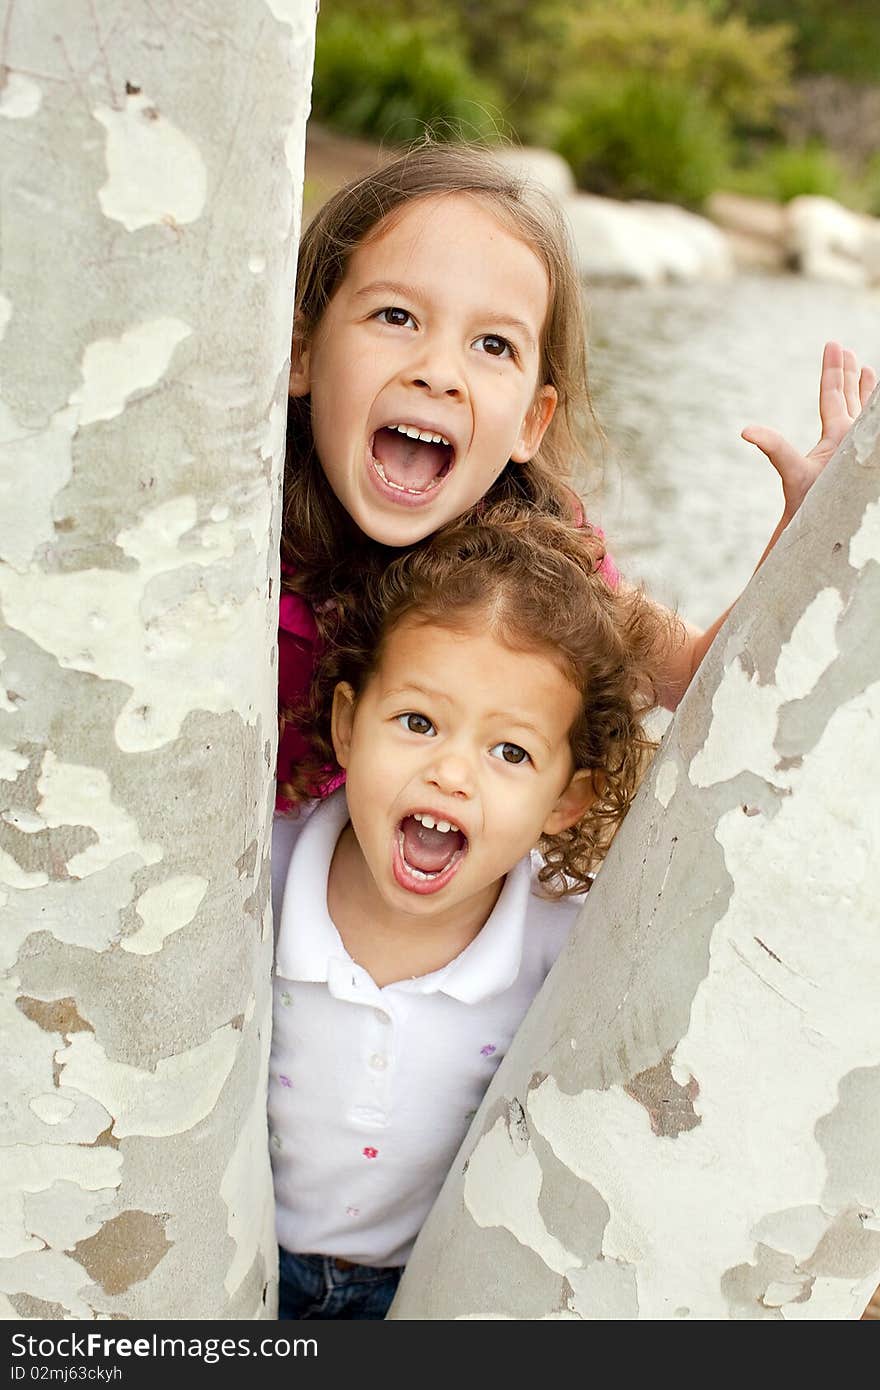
[{"x": 297, "y": 640}]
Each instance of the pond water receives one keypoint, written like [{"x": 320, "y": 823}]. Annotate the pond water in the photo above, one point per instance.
[{"x": 677, "y": 372}]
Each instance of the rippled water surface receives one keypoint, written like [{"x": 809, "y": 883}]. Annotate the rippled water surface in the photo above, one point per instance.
[{"x": 677, "y": 372}]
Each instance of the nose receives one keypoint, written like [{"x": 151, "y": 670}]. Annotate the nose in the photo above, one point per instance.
[
  {"x": 452, "y": 775},
  {"x": 438, "y": 369}
]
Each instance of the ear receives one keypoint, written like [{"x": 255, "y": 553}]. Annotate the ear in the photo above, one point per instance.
[
  {"x": 342, "y": 721},
  {"x": 577, "y": 798},
  {"x": 534, "y": 426},
  {"x": 300, "y": 376}
]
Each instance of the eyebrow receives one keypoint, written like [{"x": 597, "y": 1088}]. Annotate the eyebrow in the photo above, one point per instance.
[
  {"x": 519, "y": 723},
  {"x": 396, "y": 287},
  {"x": 413, "y": 689}
]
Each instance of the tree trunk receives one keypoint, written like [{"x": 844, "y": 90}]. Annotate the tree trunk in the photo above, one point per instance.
[
  {"x": 152, "y": 157},
  {"x": 688, "y": 1123}
]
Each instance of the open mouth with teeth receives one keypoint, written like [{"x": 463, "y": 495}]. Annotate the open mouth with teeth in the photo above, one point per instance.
[
  {"x": 427, "y": 852},
  {"x": 410, "y": 461}
]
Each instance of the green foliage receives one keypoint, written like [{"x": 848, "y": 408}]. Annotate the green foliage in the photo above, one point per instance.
[
  {"x": 391, "y": 80},
  {"x": 646, "y": 98},
  {"x": 652, "y": 93},
  {"x": 783, "y": 172},
  {"x": 740, "y": 71},
  {"x": 840, "y": 36},
  {"x": 637, "y": 138}
]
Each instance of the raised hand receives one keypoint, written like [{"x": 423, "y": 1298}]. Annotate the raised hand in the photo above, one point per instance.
[{"x": 844, "y": 389}]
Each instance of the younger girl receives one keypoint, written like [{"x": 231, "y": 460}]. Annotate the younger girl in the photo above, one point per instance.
[
  {"x": 486, "y": 699},
  {"x": 439, "y": 361}
]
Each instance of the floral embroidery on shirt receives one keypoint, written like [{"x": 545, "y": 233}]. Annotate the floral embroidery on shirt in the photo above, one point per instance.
[
  {"x": 285, "y": 1080},
  {"x": 488, "y": 1050},
  {"x": 370, "y": 1152},
  {"x": 276, "y": 1141},
  {"x": 285, "y": 998},
  {"x": 352, "y": 1211}
]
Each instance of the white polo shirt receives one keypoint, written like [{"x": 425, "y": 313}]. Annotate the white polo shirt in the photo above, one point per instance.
[{"x": 371, "y": 1091}]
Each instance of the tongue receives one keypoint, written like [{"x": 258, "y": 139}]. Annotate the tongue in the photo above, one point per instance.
[
  {"x": 408, "y": 462},
  {"x": 428, "y": 850}
]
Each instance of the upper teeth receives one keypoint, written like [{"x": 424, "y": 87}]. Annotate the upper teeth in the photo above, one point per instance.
[
  {"x": 413, "y": 432},
  {"x": 431, "y": 824}
]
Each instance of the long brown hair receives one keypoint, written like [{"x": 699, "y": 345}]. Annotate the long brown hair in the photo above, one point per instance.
[
  {"x": 532, "y": 581},
  {"x": 321, "y": 545}
]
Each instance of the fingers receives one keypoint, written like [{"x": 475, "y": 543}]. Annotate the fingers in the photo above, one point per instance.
[
  {"x": 851, "y": 383},
  {"x": 843, "y": 389},
  {"x": 833, "y": 411},
  {"x": 784, "y": 456}
]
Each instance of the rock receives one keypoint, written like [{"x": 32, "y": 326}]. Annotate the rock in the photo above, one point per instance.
[
  {"x": 543, "y": 167},
  {"x": 645, "y": 243},
  {"x": 829, "y": 242},
  {"x": 755, "y": 229}
]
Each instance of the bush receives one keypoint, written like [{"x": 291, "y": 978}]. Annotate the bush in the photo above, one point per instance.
[
  {"x": 741, "y": 71},
  {"x": 391, "y": 80},
  {"x": 631, "y": 137},
  {"x": 784, "y": 172}
]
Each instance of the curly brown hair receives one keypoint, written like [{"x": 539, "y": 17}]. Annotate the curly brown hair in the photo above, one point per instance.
[
  {"x": 320, "y": 543},
  {"x": 532, "y": 582}
]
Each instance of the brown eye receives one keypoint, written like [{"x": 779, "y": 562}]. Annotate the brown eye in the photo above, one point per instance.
[
  {"x": 496, "y": 346},
  {"x": 510, "y": 753},
  {"x": 398, "y": 318},
  {"x": 417, "y": 724}
]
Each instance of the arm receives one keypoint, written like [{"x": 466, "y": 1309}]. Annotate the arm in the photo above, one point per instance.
[{"x": 843, "y": 391}]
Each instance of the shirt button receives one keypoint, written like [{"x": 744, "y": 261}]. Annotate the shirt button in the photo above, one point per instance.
[
  {"x": 378, "y": 1062},
  {"x": 381, "y": 1016}
]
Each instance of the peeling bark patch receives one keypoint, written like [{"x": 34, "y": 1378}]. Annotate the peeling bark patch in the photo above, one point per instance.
[
  {"x": 517, "y": 1126},
  {"x": 155, "y": 172},
  {"x": 865, "y": 544},
  {"x": 27, "y": 1306},
  {"x": 115, "y": 368},
  {"x": 170, "y": 1099},
  {"x": 502, "y": 1186},
  {"x": 124, "y": 1251},
  {"x": 247, "y": 862},
  {"x": 847, "y": 1250},
  {"x": 54, "y": 1015},
  {"x": 670, "y": 1106},
  {"x": 20, "y": 97},
  {"x": 105, "y": 1139},
  {"x": 666, "y": 782},
  {"x": 849, "y": 1137},
  {"x": 165, "y": 908},
  {"x": 606, "y": 1290},
  {"x": 759, "y": 1290}
]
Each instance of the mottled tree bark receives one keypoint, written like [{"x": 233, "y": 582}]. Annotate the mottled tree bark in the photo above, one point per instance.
[
  {"x": 152, "y": 159},
  {"x": 688, "y": 1123}
]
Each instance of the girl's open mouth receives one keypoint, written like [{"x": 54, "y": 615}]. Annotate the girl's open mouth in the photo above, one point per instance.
[
  {"x": 426, "y": 852},
  {"x": 408, "y": 463}
]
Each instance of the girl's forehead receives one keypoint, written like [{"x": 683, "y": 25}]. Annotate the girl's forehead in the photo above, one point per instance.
[{"x": 445, "y": 233}]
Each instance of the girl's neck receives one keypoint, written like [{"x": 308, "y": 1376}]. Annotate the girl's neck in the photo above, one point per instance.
[{"x": 390, "y": 944}]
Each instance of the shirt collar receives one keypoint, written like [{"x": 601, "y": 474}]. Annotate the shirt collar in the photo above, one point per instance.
[{"x": 308, "y": 939}]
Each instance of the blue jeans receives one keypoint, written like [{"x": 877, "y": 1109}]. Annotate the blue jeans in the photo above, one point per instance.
[{"x": 318, "y": 1286}]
